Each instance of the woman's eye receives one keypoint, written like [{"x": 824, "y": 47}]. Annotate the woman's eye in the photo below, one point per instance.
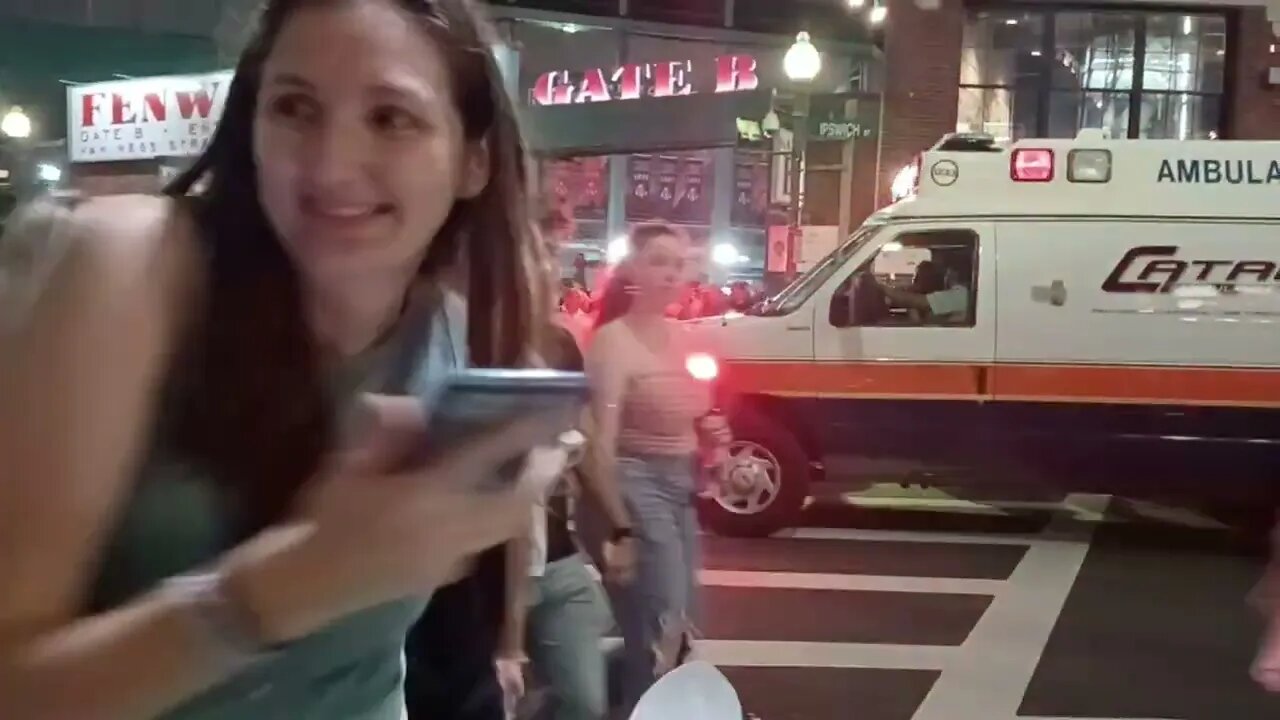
[
  {"x": 395, "y": 120},
  {"x": 294, "y": 107}
]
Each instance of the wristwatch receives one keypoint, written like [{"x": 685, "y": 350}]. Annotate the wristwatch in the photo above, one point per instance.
[
  {"x": 621, "y": 533},
  {"x": 225, "y": 624}
]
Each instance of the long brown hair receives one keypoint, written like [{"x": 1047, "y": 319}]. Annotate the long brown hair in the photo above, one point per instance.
[
  {"x": 617, "y": 297},
  {"x": 252, "y": 405}
]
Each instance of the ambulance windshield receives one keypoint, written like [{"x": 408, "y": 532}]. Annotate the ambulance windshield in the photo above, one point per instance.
[{"x": 794, "y": 295}]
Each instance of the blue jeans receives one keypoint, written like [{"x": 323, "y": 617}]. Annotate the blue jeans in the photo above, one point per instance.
[
  {"x": 658, "y": 491},
  {"x": 568, "y": 616}
]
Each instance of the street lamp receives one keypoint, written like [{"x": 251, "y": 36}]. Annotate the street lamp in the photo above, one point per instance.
[
  {"x": 802, "y": 64},
  {"x": 16, "y": 124}
]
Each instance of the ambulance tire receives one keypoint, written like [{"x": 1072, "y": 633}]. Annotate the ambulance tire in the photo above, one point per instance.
[{"x": 786, "y": 509}]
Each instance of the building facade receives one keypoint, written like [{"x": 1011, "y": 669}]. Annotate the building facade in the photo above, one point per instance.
[
  {"x": 642, "y": 112},
  {"x": 1047, "y": 69}
]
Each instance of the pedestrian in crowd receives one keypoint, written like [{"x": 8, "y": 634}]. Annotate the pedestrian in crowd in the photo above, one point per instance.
[
  {"x": 450, "y": 651},
  {"x": 645, "y": 406},
  {"x": 740, "y": 296},
  {"x": 203, "y": 513},
  {"x": 568, "y": 614}
]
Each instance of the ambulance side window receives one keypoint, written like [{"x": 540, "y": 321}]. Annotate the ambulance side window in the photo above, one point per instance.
[{"x": 918, "y": 279}]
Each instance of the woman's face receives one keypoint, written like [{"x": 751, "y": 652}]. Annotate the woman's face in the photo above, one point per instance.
[
  {"x": 658, "y": 270},
  {"x": 360, "y": 149}
]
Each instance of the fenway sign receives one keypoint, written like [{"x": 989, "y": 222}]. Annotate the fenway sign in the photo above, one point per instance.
[
  {"x": 171, "y": 116},
  {"x": 734, "y": 73}
]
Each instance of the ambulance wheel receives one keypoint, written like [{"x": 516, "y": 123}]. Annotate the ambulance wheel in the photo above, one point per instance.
[{"x": 764, "y": 485}]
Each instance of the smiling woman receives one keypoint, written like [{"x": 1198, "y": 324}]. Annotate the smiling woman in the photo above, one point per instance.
[{"x": 182, "y": 501}]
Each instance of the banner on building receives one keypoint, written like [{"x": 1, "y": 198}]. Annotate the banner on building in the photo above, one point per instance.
[
  {"x": 750, "y": 191},
  {"x": 579, "y": 185},
  {"x": 668, "y": 177},
  {"x": 693, "y": 199},
  {"x": 639, "y": 187},
  {"x": 145, "y": 118}
]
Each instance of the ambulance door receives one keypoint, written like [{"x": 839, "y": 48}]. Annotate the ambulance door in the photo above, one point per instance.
[{"x": 903, "y": 342}]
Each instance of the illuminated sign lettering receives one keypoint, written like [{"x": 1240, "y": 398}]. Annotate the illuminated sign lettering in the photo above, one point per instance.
[{"x": 734, "y": 73}]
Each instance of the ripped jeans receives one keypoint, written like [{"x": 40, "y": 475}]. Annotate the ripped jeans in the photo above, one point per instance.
[{"x": 659, "y": 612}]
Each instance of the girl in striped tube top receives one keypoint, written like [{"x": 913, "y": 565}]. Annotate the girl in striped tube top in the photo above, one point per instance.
[{"x": 646, "y": 405}]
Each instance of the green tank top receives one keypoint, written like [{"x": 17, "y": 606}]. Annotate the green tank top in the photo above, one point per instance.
[{"x": 177, "y": 520}]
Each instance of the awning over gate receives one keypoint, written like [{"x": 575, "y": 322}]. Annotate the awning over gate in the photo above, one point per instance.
[{"x": 634, "y": 126}]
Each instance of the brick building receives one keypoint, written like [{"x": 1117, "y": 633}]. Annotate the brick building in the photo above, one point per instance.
[{"x": 1040, "y": 69}]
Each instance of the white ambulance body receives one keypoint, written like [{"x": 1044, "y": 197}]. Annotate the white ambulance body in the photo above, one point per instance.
[{"x": 1090, "y": 315}]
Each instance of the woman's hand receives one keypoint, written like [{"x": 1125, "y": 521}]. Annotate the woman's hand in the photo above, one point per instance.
[
  {"x": 372, "y": 530},
  {"x": 510, "y": 671},
  {"x": 620, "y": 560}
]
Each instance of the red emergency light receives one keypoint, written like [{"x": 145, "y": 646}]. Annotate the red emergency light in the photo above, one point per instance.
[
  {"x": 1031, "y": 165},
  {"x": 702, "y": 366}
]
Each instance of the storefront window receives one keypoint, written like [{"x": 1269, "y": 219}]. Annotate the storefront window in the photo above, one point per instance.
[
  {"x": 1050, "y": 74},
  {"x": 1180, "y": 116},
  {"x": 1069, "y": 111},
  {"x": 1001, "y": 63},
  {"x": 1097, "y": 50},
  {"x": 1185, "y": 53}
]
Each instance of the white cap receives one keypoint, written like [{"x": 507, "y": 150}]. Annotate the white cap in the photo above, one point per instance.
[{"x": 693, "y": 691}]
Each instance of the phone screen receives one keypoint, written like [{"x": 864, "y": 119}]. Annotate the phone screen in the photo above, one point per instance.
[{"x": 473, "y": 403}]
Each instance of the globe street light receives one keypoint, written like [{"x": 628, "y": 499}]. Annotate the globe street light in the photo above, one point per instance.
[
  {"x": 802, "y": 62},
  {"x": 16, "y": 124}
]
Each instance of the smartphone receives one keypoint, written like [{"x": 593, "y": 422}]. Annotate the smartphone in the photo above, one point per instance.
[{"x": 472, "y": 403}]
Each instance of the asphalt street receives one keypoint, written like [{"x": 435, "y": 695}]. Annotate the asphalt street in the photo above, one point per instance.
[{"x": 885, "y": 608}]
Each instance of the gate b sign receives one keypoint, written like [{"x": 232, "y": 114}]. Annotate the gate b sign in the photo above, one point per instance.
[{"x": 734, "y": 73}]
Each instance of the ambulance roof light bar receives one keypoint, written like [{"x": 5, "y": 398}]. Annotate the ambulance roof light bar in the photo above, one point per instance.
[
  {"x": 1090, "y": 165},
  {"x": 1031, "y": 165}
]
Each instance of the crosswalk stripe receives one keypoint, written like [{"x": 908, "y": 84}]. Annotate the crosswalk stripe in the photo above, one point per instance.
[
  {"x": 869, "y": 583},
  {"x": 771, "y": 653},
  {"x": 913, "y": 536}
]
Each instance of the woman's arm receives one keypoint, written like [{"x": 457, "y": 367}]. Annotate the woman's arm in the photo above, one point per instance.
[
  {"x": 607, "y": 371},
  {"x": 517, "y": 558},
  {"x": 79, "y": 367},
  {"x": 596, "y": 479}
]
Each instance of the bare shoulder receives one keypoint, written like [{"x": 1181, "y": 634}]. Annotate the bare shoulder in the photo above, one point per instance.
[
  {"x": 87, "y": 303},
  {"x": 610, "y": 342},
  {"x": 119, "y": 247}
]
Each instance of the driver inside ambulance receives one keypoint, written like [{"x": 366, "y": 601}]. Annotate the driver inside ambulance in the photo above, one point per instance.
[{"x": 945, "y": 306}]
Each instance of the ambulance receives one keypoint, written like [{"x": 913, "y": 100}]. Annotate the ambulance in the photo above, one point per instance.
[{"x": 1084, "y": 315}]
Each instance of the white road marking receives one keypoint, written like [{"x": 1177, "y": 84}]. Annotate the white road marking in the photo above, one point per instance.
[
  {"x": 871, "y": 583},
  {"x": 1028, "y": 718},
  {"x": 990, "y": 675},
  {"x": 760, "y": 653},
  {"x": 987, "y": 677},
  {"x": 1080, "y": 506},
  {"x": 912, "y": 536}
]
